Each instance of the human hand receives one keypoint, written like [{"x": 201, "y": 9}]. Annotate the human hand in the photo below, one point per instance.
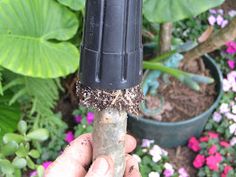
[{"x": 76, "y": 161}]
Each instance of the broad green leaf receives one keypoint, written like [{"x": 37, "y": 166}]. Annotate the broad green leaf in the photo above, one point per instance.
[
  {"x": 13, "y": 137},
  {"x": 39, "y": 135},
  {"x": 19, "y": 162},
  {"x": 9, "y": 148},
  {"x": 34, "y": 153},
  {"x": 73, "y": 4},
  {"x": 160, "y": 11},
  {"x": 33, "y": 35},
  {"x": 22, "y": 127},
  {"x": 22, "y": 151},
  {"x": 6, "y": 167},
  {"x": 9, "y": 115}
]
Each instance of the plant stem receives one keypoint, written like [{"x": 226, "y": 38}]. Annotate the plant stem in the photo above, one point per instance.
[
  {"x": 165, "y": 37},
  {"x": 212, "y": 43},
  {"x": 109, "y": 137}
]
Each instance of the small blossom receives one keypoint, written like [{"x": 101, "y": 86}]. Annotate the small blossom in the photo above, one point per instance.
[
  {"x": 219, "y": 20},
  {"x": 224, "y": 23},
  {"x": 183, "y": 172},
  {"x": 224, "y": 144},
  {"x": 168, "y": 166},
  {"x": 231, "y": 47},
  {"x": 46, "y": 164},
  {"x": 232, "y": 13},
  {"x": 232, "y": 128},
  {"x": 217, "y": 117},
  {"x": 90, "y": 117},
  {"x": 224, "y": 108},
  {"x": 156, "y": 158},
  {"x": 154, "y": 174},
  {"x": 213, "y": 135},
  {"x": 204, "y": 139},
  {"x": 78, "y": 119},
  {"x": 226, "y": 85},
  {"x": 220, "y": 11},
  {"x": 137, "y": 158},
  {"x": 211, "y": 20},
  {"x": 231, "y": 64},
  {"x": 232, "y": 77},
  {"x": 213, "y": 162},
  {"x": 230, "y": 116},
  {"x": 146, "y": 143},
  {"x": 69, "y": 137},
  {"x": 226, "y": 171},
  {"x": 199, "y": 161},
  {"x": 234, "y": 109},
  {"x": 233, "y": 141},
  {"x": 212, "y": 150},
  {"x": 194, "y": 144},
  {"x": 169, "y": 172},
  {"x": 213, "y": 11}
]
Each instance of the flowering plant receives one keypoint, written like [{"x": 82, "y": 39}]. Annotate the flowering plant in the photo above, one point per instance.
[
  {"x": 154, "y": 161},
  {"x": 216, "y": 157}
]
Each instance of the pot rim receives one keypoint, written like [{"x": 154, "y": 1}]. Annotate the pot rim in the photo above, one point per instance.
[{"x": 195, "y": 118}]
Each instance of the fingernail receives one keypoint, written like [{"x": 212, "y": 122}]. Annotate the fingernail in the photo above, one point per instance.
[{"x": 100, "y": 166}]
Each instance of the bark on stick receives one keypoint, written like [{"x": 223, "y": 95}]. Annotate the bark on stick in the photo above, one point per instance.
[
  {"x": 214, "y": 42},
  {"x": 165, "y": 37},
  {"x": 109, "y": 137}
]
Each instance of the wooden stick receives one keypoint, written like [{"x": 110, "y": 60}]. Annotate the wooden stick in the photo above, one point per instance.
[
  {"x": 109, "y": 137},
  {"x": 165, "y": 37}
]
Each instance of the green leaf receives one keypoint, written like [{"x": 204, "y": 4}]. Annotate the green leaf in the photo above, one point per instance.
[
  {"x": 6, "y": 167},
  {"x": 40, "y": 171},
  {"x": 34, "y": 153},
  {"x": 32, "y": 35},
  {"x": 30, "y": 163},
  {"x": 1, "y": 89},
  {"x": 13, "y": 137},
  {"x": 22, "y": 151},
  {"x": 19, "y": 162},
  {"x": 160, "y": 11},
  {"x": 9, "y": 148},
  {"x": 39, "y": 135},
  {"x": 73, "y": 4},
  {"x": 9, "y": 115},
  {"x": 22, "y": 127}
]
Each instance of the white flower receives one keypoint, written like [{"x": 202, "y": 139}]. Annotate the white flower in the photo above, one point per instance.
[
  {"x": 233, "y": 141},
  {"x": 232, "y": 128},
  {"x": 224, "y": 108},
  {"x": 144, "y": 150},
  {"x": 137, "y": 158},
  {"x": 232, "y": 13},
  {"x": 168, "y": 166},
  {"x": 154, "y": 174},
  {"x": 156, "y": 158},
  {"x": 226, "y": 85}
]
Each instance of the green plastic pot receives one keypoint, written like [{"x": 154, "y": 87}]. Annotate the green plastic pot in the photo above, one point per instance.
[{"x": 173, "y": 134}]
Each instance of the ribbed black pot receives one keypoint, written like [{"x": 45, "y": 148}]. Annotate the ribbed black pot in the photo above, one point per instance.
[{"x": 173, "y": 134}]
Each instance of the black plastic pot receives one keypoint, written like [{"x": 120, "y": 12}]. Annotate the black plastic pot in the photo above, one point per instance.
[{"x": 173, "y": 134}]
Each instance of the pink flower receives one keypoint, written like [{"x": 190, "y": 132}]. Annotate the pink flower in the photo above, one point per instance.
[
  {"x": 194, "y": 144},
  {"x": 224, "y": 23},
  {"x": 224, "y": 144},
  {"x": 213, "y": 11},
  {"x": 220, "y": 11},
  {"x": 226, "y": 171},
  {"x": 213, "y": 135},
  {"x": 231, "y": 47},
  {"x": 69, "y": 136},
  {"x": 219, "y": 20},
  {"x": 168, "y": 172},
  {"x": 212, "y": 150},
  {"x": 204, "y": 139},
  {"x": 199, "y": 161},
  {"x": 78, "y": 119},
  {"x": 231, "y": 64},
  {"x": 146, "y": 143},
  {"x": 217, "y": 117},
  {"x": 183, "y": 173},
  {"x": 211, "y": 20},
  {"x": 90, "y": 117},
  {"x": 46, "y": 164},
  {"x": 213, "y": 163}
]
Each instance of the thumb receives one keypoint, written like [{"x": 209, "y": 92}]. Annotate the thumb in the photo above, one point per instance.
[{"x": 102, "y": 167}]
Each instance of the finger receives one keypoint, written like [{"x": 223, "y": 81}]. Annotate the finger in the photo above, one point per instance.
[
  {"x": 74, "y": 160},
  {"x": 102, "y": 167},
  {"x": 132, "y": 168},
  {"x": 130, "y": 143}
]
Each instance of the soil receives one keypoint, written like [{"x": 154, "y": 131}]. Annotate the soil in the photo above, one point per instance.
[
  {"x": 180, "y": 101},
  {"x": 183, "y": 157}
]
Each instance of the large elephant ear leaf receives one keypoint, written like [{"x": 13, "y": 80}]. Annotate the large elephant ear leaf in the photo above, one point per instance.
[
  {"x": 73, "y": 4},
  {"x": 160, "y": 11},
  {"x": 9, "y": 115},
  {"x": 33, "y": 35}
]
